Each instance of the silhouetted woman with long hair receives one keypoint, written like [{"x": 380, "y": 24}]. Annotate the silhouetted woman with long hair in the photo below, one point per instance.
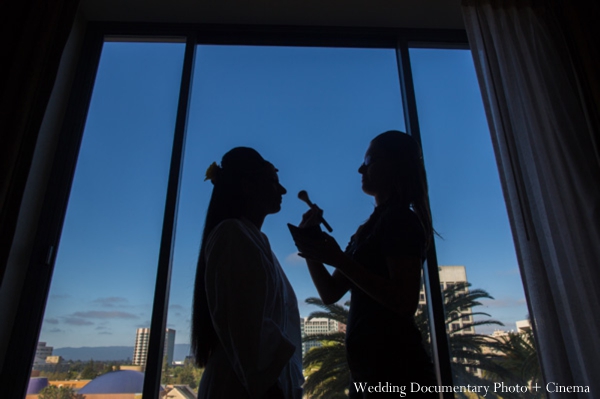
[
  {"x": 381, "y": 267},
  {"x": 245, "y": 321}
]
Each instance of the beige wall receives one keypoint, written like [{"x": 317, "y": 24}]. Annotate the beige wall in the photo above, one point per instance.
[{"x": 75, "y": 384}]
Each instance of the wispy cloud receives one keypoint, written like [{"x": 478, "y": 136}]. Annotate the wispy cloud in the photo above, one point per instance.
[
  {"x": 105, "y": 333},
  {"x": 101, "y": 314},
  {"x": 76, "y": 321},
  {"x": 175, "y": 306},
  {"x": 509, "y": 325},
  {"x": 503, "y": 302},
  {"x": 51, "y": 321},
  {"x": 111, "y": 302},
  {"x": 55, "y": 330},
  {"x": 294, "y": 259}
]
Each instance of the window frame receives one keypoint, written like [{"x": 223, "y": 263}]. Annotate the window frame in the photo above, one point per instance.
[{"x": 32, "y": 304}]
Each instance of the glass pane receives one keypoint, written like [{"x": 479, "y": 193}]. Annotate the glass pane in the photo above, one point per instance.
[
  {"x": 486, "y": 312},
  {"x": 310, "y": 111},
  {"x": 103, "y": 284}
]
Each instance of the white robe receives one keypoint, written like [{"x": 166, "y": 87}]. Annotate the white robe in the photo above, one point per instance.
[{"x": 255, "y": 313}]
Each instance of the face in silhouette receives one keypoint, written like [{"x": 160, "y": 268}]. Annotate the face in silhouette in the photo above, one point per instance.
[
  {"x": 376, "y": 172},
  {"x": 265, "y": 192}
]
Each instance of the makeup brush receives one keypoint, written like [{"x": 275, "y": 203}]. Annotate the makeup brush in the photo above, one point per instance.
[{"x": 303, "y": 195}]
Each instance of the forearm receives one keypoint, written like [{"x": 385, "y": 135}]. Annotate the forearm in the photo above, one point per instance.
[{"x": 330, "y": 290}]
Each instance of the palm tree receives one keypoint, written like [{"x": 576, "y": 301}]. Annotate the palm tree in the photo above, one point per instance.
[
  {"x": 519, "y": 358},
  {"x": 499, "y": 359},
  {"x": 326, "y": 369},
  {"x": 470, "y": 351}
]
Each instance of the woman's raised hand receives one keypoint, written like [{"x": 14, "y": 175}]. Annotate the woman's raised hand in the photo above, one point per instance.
[
  {"x": 312, "y": 217},
  {"x": 317, "y": 246},
  {"x": 320, "y": 248}
]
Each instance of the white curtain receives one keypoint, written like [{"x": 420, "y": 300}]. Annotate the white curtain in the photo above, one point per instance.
[{"x": 545, "y": 138}]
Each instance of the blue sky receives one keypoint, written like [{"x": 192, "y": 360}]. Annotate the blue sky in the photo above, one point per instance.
[{"x": 312, "y": 113}]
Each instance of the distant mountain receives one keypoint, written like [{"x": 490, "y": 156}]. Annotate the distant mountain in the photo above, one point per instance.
[
  {"x": 103, "y": 353},
  {"x": 107, "y": 353}
]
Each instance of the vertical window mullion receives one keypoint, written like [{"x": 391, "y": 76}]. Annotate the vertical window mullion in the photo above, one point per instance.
[
  {"x": 163, "y": 276},
  {"x": 437, "y": 323}
]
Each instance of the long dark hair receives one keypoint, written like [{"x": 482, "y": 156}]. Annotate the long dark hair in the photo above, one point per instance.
[
  {"x": 409, "y": 171},
  {"x": 227, "y": 201}
]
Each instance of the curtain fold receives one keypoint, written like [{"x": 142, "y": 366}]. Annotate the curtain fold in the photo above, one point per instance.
[
  {"x": 536, "y": 66},
  {"x": 35, "y": 34}
]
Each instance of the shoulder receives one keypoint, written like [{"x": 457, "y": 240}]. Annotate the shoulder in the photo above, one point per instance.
[
  {"x": 396, "y": 219},
  {"x": 230, "y": 224},
  {"x": 401, "y": 232},
  {"x": 229, "y": 235},
  {"x": 228, "y": 227},
  {"x": 232, "y": 248}
]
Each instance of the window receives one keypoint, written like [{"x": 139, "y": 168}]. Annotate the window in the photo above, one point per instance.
[
  {"x": 474, "y": 248},
  {"x": 279, "y": 108},
  {"x": 102, "y": 290}
]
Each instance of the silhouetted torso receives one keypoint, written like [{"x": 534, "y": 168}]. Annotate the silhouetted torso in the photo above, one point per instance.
[
  {"x": 381, "y": 345},
  {"x": 255, "y": 313}
]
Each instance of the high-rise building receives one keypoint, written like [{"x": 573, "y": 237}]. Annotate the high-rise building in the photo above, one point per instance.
[
  {"x": 42, "y": 352},
  {"x": 449, "y": 276},
  {"x": 142, "y": 338},
  {"x": 318, "y": 325},
  {"x": 169, "y": 345}
]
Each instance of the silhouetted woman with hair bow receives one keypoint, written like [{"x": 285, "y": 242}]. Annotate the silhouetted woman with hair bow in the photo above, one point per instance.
[{"x": 245, "y": 321}]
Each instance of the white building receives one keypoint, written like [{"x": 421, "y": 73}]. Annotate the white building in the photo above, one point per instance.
[
  {"x": 523, "y": 326},
  {"x": 318, "y": 325},
  {"x": 449, "y": 276},
  {"x": 142, "y": 339}
]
